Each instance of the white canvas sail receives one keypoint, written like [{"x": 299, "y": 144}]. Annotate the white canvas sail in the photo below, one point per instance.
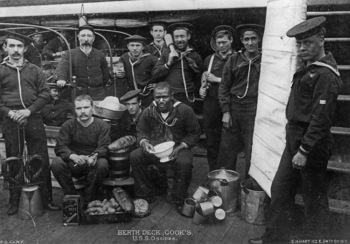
[{"x": 277, "y": 68}]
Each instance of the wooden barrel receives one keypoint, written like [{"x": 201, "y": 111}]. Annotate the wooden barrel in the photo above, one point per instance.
[{"x": 119, "y": 163}]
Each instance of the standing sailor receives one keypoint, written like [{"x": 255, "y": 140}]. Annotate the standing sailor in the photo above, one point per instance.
[
  {"x": 23, "y": 92},
  {"x": 211, "y": 78},
  {"x": 238, "y": 95},
  {"x": 310, "y": 111},
  {"x": 158, "y": 31}
]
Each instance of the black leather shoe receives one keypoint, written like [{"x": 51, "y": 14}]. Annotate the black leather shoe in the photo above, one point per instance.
[
  {"x": 12, "y": 210},
  {"x": 52, "y": 207}
]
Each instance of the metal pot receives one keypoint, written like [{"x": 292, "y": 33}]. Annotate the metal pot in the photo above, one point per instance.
[{"x": 225, "y": 182}]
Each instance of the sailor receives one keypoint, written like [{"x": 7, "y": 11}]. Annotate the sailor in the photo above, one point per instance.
[
  {"x": 181, "y": 68},
  {"x": 81, "y": 150},
  {"x": 124, "y": 129},
  {"x": 48, "y": 70},
  {"x": 55, "y": 47},
  {"x": 158, "y": 31},
  {"x": 34, "y": 50},
  {"x": 57, "y": 111},
  {"x": 310, "y": 112},
  {"x": 89, "y": 66},
  {"x": 165, "y": 120},
  {"x": 222, "y": 38},
  {"x": 238, "y": 96},
  {"x": 23, "y": 92},
  {"x": 138, "y": 68}
]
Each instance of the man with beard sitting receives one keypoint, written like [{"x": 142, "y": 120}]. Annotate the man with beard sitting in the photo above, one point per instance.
[{"x": 89, "y": 65}]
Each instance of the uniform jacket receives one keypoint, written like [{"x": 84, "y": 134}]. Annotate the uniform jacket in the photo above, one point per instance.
[
  {"x": 181, "y": 125},
  {"x": 234, "y": 80},
  {"x": 313, "y": 99},
  {"x": 154, "y": 50},
  {"x": 54, "y": 46},
  {"x": 216, "y": 69},
  {"x": 90, "y": 70},
  {"x": 35, "y": 92},
  {"x": 56, "y": 113},
  {"x": 139, "y": 71},
  {"x": 192, "y": 67}
]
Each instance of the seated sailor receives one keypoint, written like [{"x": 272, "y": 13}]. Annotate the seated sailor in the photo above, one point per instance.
[
  {"x": 81, "y": 149},
  {"x": 165, "y": 120}
]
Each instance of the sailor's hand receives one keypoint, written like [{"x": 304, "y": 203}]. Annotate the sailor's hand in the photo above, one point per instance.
[
  {"x": 299, "y": 161},
  {"x": 78, "y": 159},
  {"x": 203, "y": 91},
  {"x": 213, "y": 78},
  {"x": 20, "y": 115},
  {"x": 173, "y": 55},
  {"x": 227, "y": 120},
  {"x": 61, "y": 83},
  {"x": 147, "y": 146},
  {"x": 151, "y": 86},
  {"x": 91, "y": 161},
  {"x": 176, "y": 151}
]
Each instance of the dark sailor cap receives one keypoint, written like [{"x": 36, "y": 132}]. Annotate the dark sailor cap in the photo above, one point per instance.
[
  {"x": 130, "y": 95},
  {"x": 250, "y": 27},
  {"x": 86, "y": 27},
  {"x": 157, "y": 23},
  {"x": 223, "y": 29},
  {"x": 136, "y": 38},
  {"x": 307, "y": 28},
  {"x": 19, "y": 37},
  {"x": 180, "y": 26}
]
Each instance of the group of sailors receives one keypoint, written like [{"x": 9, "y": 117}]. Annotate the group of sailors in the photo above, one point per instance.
[{"x": 162, "y": 79}]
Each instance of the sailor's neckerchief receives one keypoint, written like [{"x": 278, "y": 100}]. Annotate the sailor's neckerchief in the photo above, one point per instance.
[
  {"x": 191, "y": 62},
  {"x": 133, "y": 62},
  {"x": 221, "y": 60},
  {"x": 158, "y": 48},
  {"x": 164, "y": 124}
]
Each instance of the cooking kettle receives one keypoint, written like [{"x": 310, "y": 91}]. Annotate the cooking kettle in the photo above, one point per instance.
[{"x": 225, "y": 183}]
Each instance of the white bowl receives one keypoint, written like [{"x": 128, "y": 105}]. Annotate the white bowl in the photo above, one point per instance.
[{"x": 163, "y": 150}]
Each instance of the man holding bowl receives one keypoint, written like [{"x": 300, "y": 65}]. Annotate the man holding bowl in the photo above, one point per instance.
[{"x": 165, "y": 120}]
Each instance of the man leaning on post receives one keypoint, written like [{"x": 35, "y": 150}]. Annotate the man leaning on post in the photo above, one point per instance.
[{"x": 310, "y": 111}]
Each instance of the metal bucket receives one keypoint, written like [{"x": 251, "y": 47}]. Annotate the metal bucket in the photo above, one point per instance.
[
  {"x": 254, "y": 202},
  {"x": 30, "y": 205},
  {"x": 225, "y": 182},
  {"x": 119, "y": 164}
]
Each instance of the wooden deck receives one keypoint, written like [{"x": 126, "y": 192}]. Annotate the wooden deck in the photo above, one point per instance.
[{"x": 164, "y": 221}]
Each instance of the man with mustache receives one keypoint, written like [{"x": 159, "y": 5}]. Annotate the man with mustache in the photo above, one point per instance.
[
  {"x": 23, "y": 92},
  {"x": 310, "y": 111},
  {"x": 238, "y": 96},
  {"x": 158, "y": 31},
  {"x": 181, "y": 69},
  {"x": 89, "y": 66},
  {"x": 138, "y": 68},
  {"x": 165, "y": 120},
  {"x": 81, "y": 150},
  {"x": 58, "y": 110},
  {"x": 211, "y": 78}
]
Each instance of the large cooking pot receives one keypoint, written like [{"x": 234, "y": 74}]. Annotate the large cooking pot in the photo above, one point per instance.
[
  {"x": 225, "y": 183},
  {"x": 109, "y": 108}
]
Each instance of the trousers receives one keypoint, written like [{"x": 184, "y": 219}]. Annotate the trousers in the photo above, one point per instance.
[
  {"x": 313, "y": 185},
  {"x": 33, "y": 133},
  {"x": 145, "y": 187},
  {"x": 95, "y": 175},
  {"x": 243, "y": 119}
]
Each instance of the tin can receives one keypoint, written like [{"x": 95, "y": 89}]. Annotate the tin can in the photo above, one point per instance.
[{"x": 71, "y": 210}]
